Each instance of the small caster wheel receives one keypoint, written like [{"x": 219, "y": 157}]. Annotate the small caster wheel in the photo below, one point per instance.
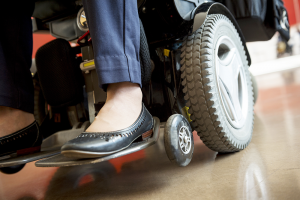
[
  {"x": 12, "y": 169},
  {"x": 179, "y": 140}
]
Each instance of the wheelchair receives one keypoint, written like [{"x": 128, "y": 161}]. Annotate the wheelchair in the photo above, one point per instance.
[{"x": 194, "y": 65}]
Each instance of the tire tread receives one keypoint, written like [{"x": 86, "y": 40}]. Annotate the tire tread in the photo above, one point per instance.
[{"x": 197, "y": 77}]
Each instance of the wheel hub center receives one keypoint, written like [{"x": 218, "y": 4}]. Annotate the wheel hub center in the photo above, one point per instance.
[{"x": 185, "y": 139}]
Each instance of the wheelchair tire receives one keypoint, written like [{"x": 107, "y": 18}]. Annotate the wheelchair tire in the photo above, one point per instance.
[
  {"x": 145, "y": 60},
  {"x": 217, "y": 85},
  {"x": 255, "y": 88}
]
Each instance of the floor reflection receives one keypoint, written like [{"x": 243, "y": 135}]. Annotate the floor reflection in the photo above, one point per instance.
[
  {"x": 267, "y": 169},
  {"x": 252, "y": 172},
  {"x": 78, "y": 181}
]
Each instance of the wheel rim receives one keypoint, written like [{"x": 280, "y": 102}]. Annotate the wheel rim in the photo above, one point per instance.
[
  {"x": 185, "y": 140},
  {"x": 231, "y": 81}
]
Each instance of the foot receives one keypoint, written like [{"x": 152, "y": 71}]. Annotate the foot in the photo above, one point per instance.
[
  {"x": 12, "y": 120},
  {"x": 121, "y": 109},
  {"x": 19, "y": 133},
  {"x": 120, "y": 122},
  {"x": 98, "y": 144}
]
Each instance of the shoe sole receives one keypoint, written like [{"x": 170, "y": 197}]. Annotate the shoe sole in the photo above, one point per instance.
[{"x": 90, "y": 154}]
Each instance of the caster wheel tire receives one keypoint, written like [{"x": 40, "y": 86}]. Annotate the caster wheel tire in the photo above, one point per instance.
[
  {"x": 179, "y": 140},
  {"x": 255, "y": 88},
  {"x": 12, "y": 169},
  {"x": 217, "y": 85}
]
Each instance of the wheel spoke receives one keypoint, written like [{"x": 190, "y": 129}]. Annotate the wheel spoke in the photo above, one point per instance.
[
  {"x": 182, "y": 145},
  {"x": 229, "y": 70},
  {"x": 187, "y": 146},
  {"x": 181, "y": 135},
  {"x": 235, "y": 99},
  {"x": 227, "y": 101}
]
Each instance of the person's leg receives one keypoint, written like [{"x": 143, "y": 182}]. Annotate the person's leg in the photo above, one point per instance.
[
  {"x": 115, "y": 29},
  {"x": 16, "y": 88},
  {"x": 19, "y": 132}
]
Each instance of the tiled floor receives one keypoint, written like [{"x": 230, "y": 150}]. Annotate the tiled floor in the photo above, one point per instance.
[{"x": 267, "y": 169}]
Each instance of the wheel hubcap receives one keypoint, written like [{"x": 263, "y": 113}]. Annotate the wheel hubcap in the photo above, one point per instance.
[
  {"x": 185, "y": 139},
  {"x": 231, "y": 81}
]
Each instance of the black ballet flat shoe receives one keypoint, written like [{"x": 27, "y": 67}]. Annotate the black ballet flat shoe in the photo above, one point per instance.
[
  {"x": 99, "y": 144},
  {"x": 25, "y": 141}
]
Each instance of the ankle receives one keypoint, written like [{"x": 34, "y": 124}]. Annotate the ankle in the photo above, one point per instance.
[
  {"x": 121, "y": 109},
  {"x": 7, "y": 112},
  {"x": 12, "y": 120},
  {"x": 124, "y": 91}
]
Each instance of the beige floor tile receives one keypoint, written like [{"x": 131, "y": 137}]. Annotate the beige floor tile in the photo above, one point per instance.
[{"x": 278, "y": 184}]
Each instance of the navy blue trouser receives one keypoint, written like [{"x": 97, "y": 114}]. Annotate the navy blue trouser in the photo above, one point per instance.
[{"x": 115, "y": 30}]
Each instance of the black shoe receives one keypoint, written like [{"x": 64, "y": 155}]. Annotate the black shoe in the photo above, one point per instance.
[
  {"x": 94, "y": 145},
  {"x": 25, "y": 141}
]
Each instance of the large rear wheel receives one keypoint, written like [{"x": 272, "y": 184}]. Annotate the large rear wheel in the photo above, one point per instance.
[{"x": 217, "y": 85}]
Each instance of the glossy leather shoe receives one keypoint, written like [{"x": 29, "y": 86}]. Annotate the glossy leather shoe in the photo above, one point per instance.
[
  {"x": 25, "y": 141},
  {"x": 98, "y": 144}
]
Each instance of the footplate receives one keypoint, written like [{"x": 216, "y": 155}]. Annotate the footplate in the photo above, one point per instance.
[
  {"x": 50, "y": 146},
  {"x": 62, "y": 161}
]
